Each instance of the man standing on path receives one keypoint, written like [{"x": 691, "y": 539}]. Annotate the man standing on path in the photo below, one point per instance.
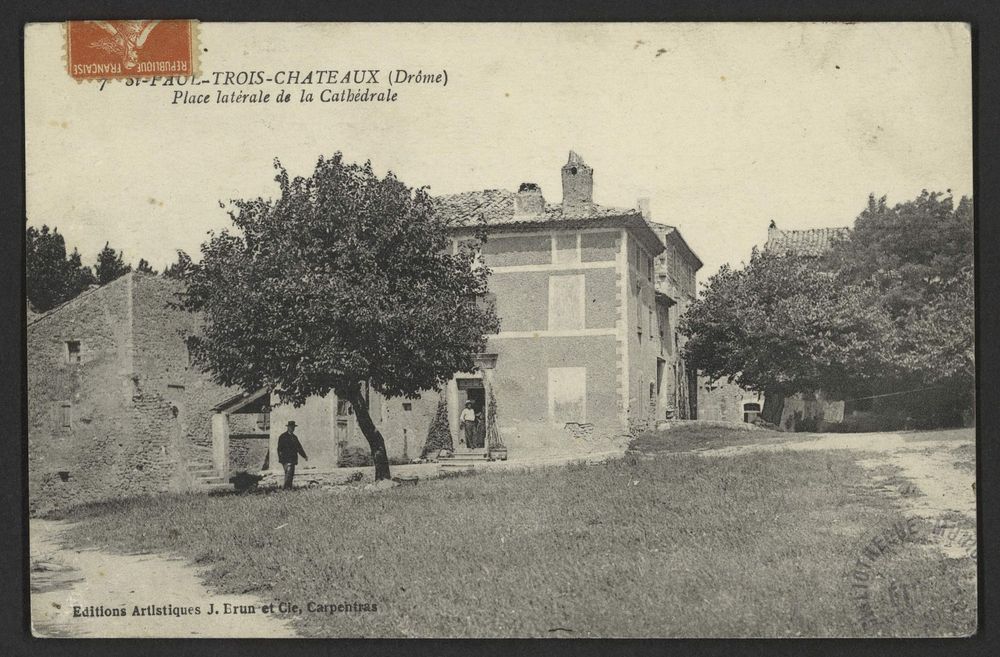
[{"x": 289, "y": 449}]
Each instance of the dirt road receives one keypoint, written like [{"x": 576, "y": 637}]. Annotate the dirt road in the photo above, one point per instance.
[
  {"x": 67, "y": 583},
  {"x": 939, "y": 467}
]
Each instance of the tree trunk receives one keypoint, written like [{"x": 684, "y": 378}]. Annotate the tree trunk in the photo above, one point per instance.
[
  {"x": 375, "y": 441},
  {"x": 774, "y": 403}
]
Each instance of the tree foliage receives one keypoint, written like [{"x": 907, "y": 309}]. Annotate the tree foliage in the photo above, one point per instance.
[
  {"x": 51, "y": 277},
  {"x": 110, "y": 265},
  {"x": 179, "y": 268},
  {"x": 889, "y": 308},
  {"x": 144, "y": 267},
  {"x": 345, "y": 278}
]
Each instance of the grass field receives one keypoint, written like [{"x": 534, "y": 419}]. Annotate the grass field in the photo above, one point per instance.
[{"x": 764, "y": 544}]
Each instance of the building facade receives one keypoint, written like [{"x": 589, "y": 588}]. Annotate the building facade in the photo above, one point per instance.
[{"x": 588, "y": 298}]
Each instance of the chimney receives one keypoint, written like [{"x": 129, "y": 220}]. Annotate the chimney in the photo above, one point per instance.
[
  {"x": 529, "y": 200},
  {"x": 577, "y": 183},
  {"x": 643, "y": 206}
]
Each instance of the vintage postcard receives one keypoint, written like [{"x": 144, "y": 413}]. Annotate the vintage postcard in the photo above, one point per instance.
[{"x": 500, "y": 330}]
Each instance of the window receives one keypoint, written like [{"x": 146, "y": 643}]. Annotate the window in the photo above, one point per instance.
[
  {"x": 564, "y": 249},
  {"x": 73, "y": 351},
  {"x": 566, "y": 302},
  {"x": 343, "y": 407},
  {"x": 649, "y": 273},
  {"x": 66, "y": 415},
  {"x": 651, "y": 324},
  {"x": 264, "y": 421},
  {"x": 652, "y": 392},
  {"x": 567, "y": 394},
  {"x": 407, "y": 406},
  {"x": 638, "y": 309}
]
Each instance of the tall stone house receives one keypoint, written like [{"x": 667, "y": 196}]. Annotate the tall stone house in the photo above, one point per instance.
[{"x": 588, "y": 298}]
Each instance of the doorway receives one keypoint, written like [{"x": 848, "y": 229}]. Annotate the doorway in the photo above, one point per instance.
[{"x": 472, "y": 390}]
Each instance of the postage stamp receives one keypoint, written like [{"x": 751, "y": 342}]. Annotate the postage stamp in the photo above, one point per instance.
[{"x": 128, "y": 49}]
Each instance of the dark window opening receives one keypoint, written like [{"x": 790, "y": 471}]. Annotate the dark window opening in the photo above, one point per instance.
[
  {"x": 264, "y": 421},
  {"x": 66, "y": 415},
  {"x": 73, "y": 351},
  {"x": 407, "y": 406},
  {"x": 64, "y": 475},
  {"x": 343, "y": 407}
]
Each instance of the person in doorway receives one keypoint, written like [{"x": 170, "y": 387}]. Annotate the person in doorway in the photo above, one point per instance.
[
  {"x": 289, "y": 449},
  {"x": 468, "y": 419}
]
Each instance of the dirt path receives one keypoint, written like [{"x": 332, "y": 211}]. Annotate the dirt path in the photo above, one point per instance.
[
  {"x": 939, "y": 466},
  {"x": 63, "y": 578}
]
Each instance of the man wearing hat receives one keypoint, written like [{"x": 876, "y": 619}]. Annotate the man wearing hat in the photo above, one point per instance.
[
  {"x": 468, "y": 419},
  {"x": 289, "y": 449}
]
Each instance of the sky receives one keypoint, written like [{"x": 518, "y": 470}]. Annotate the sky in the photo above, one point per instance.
[{"x": 725, "y": 127}]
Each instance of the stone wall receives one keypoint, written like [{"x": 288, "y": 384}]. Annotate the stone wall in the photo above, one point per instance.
[
  {"x": 724, "y": 402},
  {"x": 79, "y": 411},
  {"x": 247, "y": 454},
  {"x": 125, "y": 417}
]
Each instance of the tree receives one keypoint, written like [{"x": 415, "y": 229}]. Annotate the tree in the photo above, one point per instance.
[
  {"x": 144, "y": 267},
  {"x": 180, "y": 268},
  {"x": 911, "y": 252},
  {"x": 345, "y": 283},
  {"x": 51, "y": 277},
  {"x": 110, "y": 265},
  {"x": 781, "y": 325},
  {"x": 889, "y": 309}
]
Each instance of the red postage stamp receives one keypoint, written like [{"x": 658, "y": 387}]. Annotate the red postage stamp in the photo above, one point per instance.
[{"x": 130, "y": 49}]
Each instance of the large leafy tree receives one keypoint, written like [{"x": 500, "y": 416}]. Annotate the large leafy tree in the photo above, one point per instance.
[
  {"x": 346, "y": 282},
  {"x": 781, "y": 325},
  {"x": 51, "y": 276},
  {"x": 889, "y": 309},
  {"x": 110, "y": 265}
]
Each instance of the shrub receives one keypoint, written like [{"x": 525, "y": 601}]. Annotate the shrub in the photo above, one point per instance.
[{"x": 439, "y": 433}]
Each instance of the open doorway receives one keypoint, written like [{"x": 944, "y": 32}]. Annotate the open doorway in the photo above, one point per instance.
[{"x": 473, "y": 433}]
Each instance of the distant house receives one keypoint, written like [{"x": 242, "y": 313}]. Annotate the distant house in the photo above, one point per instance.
[
  {"x": 811, "y": 410},
  {"x": 724, "y": 401},
  {"x": 808, "y": 242},
  {"x": 115, "y": 407},
  {"x": 588, "y": 298}
]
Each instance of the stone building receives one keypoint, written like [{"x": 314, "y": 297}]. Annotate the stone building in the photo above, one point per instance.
[
  {"x": 115, "y": 407},
  {"x": 588, "y": 298},
  {"x": 676, "y": 278}
]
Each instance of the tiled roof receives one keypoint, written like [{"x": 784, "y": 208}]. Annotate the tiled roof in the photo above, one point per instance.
[
  {"x": 812, "y": 242},
  {"x": 496, "y": 206}
]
